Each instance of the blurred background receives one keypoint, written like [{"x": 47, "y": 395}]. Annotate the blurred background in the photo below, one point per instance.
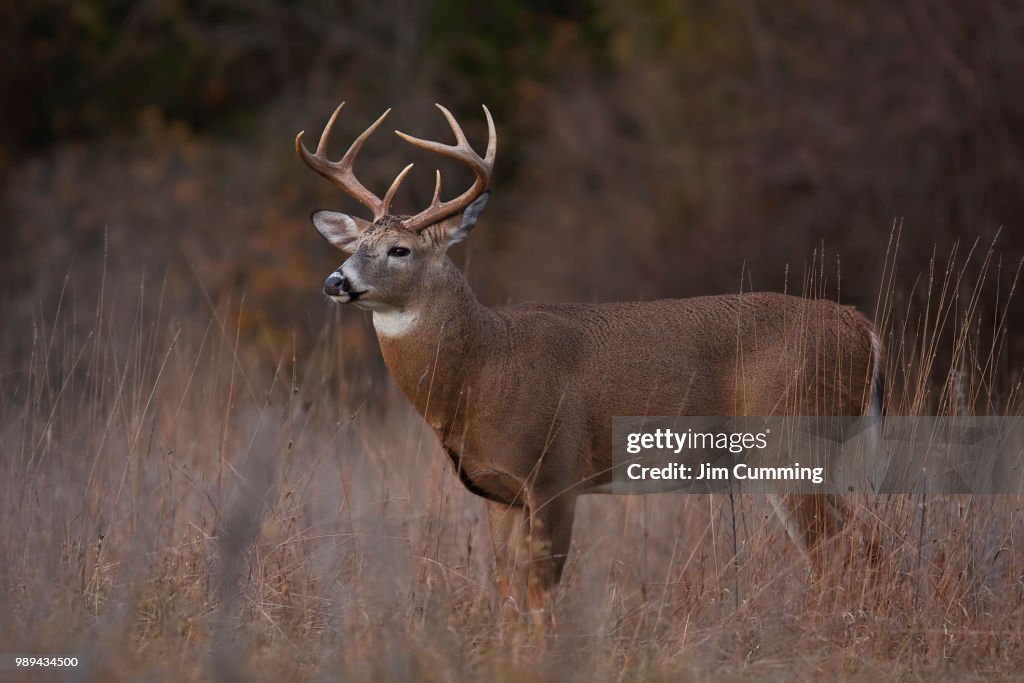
[{"x": 647, "y": 149}]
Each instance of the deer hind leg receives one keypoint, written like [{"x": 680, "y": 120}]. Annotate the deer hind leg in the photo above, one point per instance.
[{"x": 811, "y": 520}]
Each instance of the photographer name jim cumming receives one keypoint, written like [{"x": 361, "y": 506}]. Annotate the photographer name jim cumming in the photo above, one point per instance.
[{"x": 740, "y": 471}]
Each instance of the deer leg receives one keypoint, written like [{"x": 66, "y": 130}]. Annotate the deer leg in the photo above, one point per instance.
[
  {"x": 531, "y": 544},
  {"x": 811, "y": 520},
  {"x": 509, "y": 537},
  {"x": 550, "y": 527}
]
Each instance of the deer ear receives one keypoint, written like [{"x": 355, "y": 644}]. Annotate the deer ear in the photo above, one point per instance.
[
  {"x": 455, "y": 232},
  {"x": 339, "y": 229}
]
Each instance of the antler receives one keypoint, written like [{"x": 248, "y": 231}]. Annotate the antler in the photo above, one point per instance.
[
  {"x": 340, "y": 172},
  {"x": 460, "y": 151}
]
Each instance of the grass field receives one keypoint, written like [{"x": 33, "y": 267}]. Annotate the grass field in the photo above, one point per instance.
[{"x": 176, "y": 505}]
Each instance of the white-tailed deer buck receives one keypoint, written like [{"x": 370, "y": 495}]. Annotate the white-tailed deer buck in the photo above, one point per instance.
[{"x": 522, "y": 397}]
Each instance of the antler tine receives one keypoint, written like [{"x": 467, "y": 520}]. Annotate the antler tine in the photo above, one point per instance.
[
  {"x": 325, "y": 136},
  {"x": 460, "y": 137},
  {"x": 340, "y": 172},
  {"x": 492, "y": 139},
  {"x": 386, "y": 204},
  {"x": 357, "y": 144},
  {"x": 436, "y": 201},
  {"x": 460, "y": 151}
]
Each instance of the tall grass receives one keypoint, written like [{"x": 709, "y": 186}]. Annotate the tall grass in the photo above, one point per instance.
[{"x": 176, "y": 504}]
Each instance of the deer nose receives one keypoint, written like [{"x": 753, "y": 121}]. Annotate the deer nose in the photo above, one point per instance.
[{"x": 336, "y": 284}]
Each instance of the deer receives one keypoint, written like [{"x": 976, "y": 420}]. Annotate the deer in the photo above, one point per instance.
[{"x": 521, "y": 398}]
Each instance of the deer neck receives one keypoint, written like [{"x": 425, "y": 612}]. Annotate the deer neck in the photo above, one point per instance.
[{"x": 434, "y": 347}]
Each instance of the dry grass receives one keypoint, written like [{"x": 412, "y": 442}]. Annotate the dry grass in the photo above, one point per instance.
[{"x": 174, "y": 508}]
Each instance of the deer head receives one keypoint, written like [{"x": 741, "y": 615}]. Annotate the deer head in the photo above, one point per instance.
[{"x": 394, "y": 259}]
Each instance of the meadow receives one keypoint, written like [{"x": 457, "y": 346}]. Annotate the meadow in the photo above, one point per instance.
[{"x": 179, "y": 504}]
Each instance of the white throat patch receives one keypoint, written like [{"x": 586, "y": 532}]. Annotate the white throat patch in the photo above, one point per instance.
[{"x": 394, "y": 322}]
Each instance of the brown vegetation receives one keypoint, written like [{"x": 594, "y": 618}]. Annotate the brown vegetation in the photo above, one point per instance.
[{"x": 172, "y": 508}]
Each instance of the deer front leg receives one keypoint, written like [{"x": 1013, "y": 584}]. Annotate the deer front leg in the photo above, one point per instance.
[
  {"x": 550, "y": 535},
  {"x": 531, "y": 544},
  {"x": 509, "y": 534}
]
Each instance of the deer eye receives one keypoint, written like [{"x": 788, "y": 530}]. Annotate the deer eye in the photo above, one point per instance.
[{"x": 398, "y": 252}]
